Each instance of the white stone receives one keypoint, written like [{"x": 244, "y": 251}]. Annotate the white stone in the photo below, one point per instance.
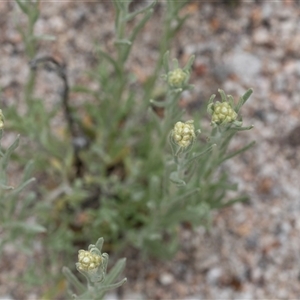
[
  {"x": 166, "y": 278},
  {"x": 214, "y": 275}
]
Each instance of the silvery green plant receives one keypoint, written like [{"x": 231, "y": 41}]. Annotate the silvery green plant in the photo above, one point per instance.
[
  {"x": 92, "y": 264},
  {"x": 15, "y": 204},
  {"x": 191, "y": 185},
  {"x": 131, "y": 165},
  {"x": 79, "y": 195}
]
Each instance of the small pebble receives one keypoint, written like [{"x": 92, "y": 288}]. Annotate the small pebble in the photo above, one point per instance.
[{"x": 166, "y": 278}]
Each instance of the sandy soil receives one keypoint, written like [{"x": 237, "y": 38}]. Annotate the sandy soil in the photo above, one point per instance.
[{"x": 252, "y": 251}]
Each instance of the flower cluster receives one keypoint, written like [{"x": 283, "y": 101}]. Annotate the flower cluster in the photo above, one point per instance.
[
  {"x": 183, "y": 133},
  {"x": 92, "y": 264},
  {"x": 177, "y": 78},
  {"x": 88, "y": 261},
  {"x": 223, "y": 113}
]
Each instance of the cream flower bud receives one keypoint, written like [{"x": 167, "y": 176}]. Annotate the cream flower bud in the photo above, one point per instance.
[
  {"x": 223, "y": 113},
  {"x": 177, "y": 78},
  {"x": 88, "y": 261},
  {"x": 183, "y": 133}
]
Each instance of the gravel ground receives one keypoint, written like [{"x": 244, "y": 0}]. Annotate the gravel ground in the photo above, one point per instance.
[{"x": 252, "y": 250}]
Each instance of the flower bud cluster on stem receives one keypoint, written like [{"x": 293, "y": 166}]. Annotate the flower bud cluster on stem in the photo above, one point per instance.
[{"x": 92, "y": 264}]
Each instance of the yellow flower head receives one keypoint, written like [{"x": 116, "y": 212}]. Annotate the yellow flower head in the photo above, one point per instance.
[
  {"x": 88, "y": 261},
  {"x": 223, "y": 113},
  {"x": 184, "y": 133},
  {"x": 177, "y": 78}
]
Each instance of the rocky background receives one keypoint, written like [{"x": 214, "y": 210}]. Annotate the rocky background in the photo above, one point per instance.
[{"x": 253, "y": 249}]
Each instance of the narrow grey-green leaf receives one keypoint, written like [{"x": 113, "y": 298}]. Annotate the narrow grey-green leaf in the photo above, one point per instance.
[
  {"x": 175, "y": 179},
  {"x": 115, "y": 271},
  {"x": 243, "y": 99},
  {"x": 30, "y": 228},
  {"x": 135, "y": 13}
]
